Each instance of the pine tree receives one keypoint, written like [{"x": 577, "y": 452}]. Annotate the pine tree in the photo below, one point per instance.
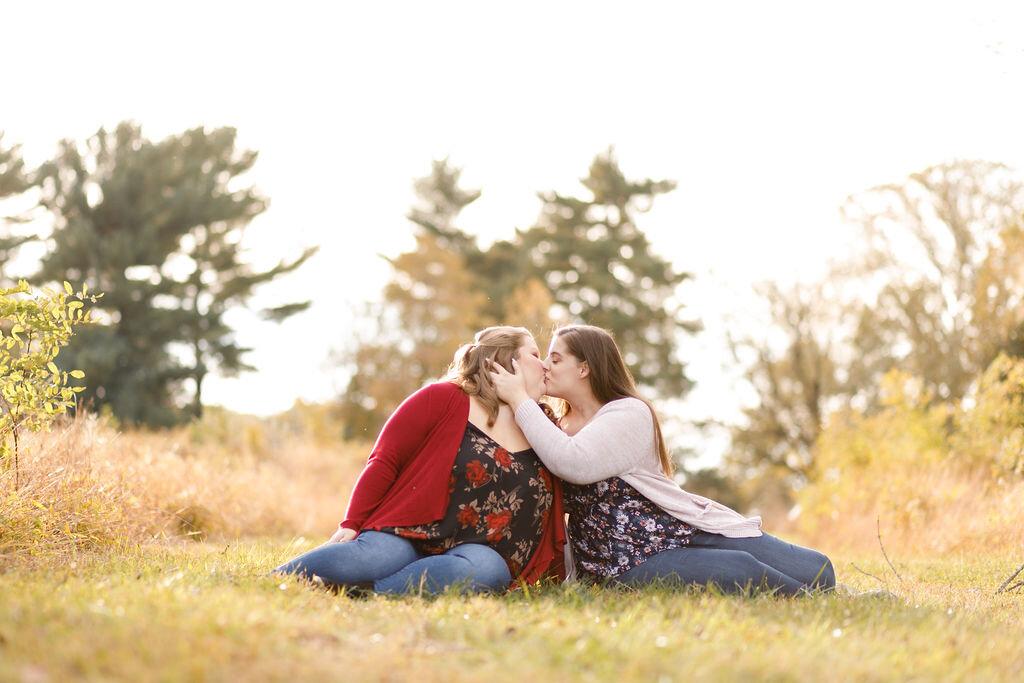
[
  {"x": 600, "y": 269},
  {"x": 156, "y": 227},
  {"x": 13, "y": 181}
]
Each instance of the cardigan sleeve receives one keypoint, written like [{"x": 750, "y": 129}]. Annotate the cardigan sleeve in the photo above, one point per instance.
[
  {"x": 619, "y": 439},
  {"x": 397, "y": 443}
]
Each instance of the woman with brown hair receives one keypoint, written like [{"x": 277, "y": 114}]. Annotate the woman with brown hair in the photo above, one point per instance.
[
  {"x": 452, "y": 495},
  {"x": 629, "y": 522}
]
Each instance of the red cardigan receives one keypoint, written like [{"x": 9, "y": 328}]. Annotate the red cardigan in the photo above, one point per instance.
[{"x": 405, "y": 481}]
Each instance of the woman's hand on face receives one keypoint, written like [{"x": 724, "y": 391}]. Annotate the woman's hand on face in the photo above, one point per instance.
[
  {"x": 343, "y": 535},
  {"x": 511, "y": 388}
]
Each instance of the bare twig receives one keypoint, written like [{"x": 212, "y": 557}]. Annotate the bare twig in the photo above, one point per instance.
[
  {"x": 882, "y": 581},
  {"x": 1012, "y": 577},
  {"x": 878, "y": 528}
]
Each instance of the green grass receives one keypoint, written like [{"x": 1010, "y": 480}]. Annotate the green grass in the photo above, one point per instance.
[{"x": 210, "y": 612}]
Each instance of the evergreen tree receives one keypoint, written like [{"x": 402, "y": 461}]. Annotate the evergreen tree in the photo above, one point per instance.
[
  {"x": 599, "y": 267},
  {"x": 13, "y": 181},
  {"x": 585, "y": 260},
  {"x": 497, "y": 270},
  {"x": 156, "y": 227},
  {"x": 13, "y": 177},
  {"x": 440, "y": 200}
]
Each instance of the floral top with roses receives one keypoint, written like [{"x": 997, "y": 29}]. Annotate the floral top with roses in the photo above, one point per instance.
[
  {"x": 614, "y": 528},
  {"x": 497, "y": 498}
]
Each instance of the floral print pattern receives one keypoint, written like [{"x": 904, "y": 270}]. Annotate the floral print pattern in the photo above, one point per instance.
[
  {"x": 614, "y": 528},
  {"x": 496, "y": 497}
]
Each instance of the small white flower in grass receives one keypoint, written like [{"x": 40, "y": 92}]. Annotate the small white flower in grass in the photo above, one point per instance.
[
  {"x": 283, "y": 586},
  {"x": 837, "y": 632},
  {"x": 661, "y": 641}
]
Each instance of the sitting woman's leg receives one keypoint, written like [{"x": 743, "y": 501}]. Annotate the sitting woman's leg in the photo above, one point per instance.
[
  {"x": 809, "y": 567},
  {"x": 371, "y": 556},
  {"x": 469, "y": 567},
  {"x": 729, "y": 570}
]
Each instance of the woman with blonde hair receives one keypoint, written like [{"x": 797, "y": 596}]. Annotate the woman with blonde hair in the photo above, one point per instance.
[
  {"x": 452, "y": 495},
  {"x": 629, "y": 522}
]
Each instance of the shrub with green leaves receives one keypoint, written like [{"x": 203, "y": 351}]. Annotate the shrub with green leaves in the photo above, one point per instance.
[
  {"x": 33, "y": 329},
  {"x": 991, "y": 431}
]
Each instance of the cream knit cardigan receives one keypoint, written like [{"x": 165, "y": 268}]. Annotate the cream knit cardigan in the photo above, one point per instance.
[{"x": 619, "y": 442}]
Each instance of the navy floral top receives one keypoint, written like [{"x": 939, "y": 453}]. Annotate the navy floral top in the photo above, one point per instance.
[
  {"x": 497, "y": 498},
  {"x": 614, "y": 528}
]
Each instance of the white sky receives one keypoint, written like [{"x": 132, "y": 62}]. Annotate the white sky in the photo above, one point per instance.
[{"x": 768, "y": 114}]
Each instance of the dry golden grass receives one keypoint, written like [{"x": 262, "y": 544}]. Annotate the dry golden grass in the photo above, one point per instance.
[
  {"x": 937, "y": 510},
  {"x": 86, "y": 484},
  {"x": 92, "y": 589}
]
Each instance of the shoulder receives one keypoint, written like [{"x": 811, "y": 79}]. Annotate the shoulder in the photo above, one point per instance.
[
  {"x": 437, "y": 396},
  {"x": 443, "y": 389},
  {"x": 627, "y": 406},
  {"x": 626, "y": 415}
]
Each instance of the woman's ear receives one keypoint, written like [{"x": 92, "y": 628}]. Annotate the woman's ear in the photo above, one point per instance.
[{"x": 584, "y": 370}]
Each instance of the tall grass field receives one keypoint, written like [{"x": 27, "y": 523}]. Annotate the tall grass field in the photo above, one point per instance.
[{"x": 130, "y": 556}]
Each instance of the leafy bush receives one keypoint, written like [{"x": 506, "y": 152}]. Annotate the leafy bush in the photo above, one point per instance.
[{"x": 32, "y": 389}]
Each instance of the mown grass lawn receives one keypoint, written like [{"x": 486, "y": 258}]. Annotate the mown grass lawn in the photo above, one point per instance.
[{"x": 198, "y": 612}]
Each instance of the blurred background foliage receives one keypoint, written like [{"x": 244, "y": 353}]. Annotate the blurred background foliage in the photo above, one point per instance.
[
  {"x": 906, "y": 354},
  {"x": 931, "y": 287}
]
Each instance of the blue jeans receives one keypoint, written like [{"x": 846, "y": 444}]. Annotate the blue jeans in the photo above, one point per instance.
[
  {"x": 391, "y": 564},
  {"x": 737, "y": 564}
]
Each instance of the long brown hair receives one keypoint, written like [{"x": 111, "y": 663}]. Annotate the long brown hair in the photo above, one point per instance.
[
  {"x": 469, "y": 368},
  {"x": 610, "y": 379}
]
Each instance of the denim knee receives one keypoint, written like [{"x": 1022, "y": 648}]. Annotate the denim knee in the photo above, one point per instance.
[
  {"x": 488, "y": 568},
  {"x": 827, "y": 578}
]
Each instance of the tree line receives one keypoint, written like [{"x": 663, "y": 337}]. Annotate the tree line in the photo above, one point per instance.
[
  {"x": 933, "y": 287},
  {"x": 157, "y": 225}
]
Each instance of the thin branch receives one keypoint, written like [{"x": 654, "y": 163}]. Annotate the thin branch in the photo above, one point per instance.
[
  {"x": 878, "y": 528},
  {"x": 882, "y": 581},
  {"x": 1012, "y": 577},
  {"x": 17, "y": 468}
]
